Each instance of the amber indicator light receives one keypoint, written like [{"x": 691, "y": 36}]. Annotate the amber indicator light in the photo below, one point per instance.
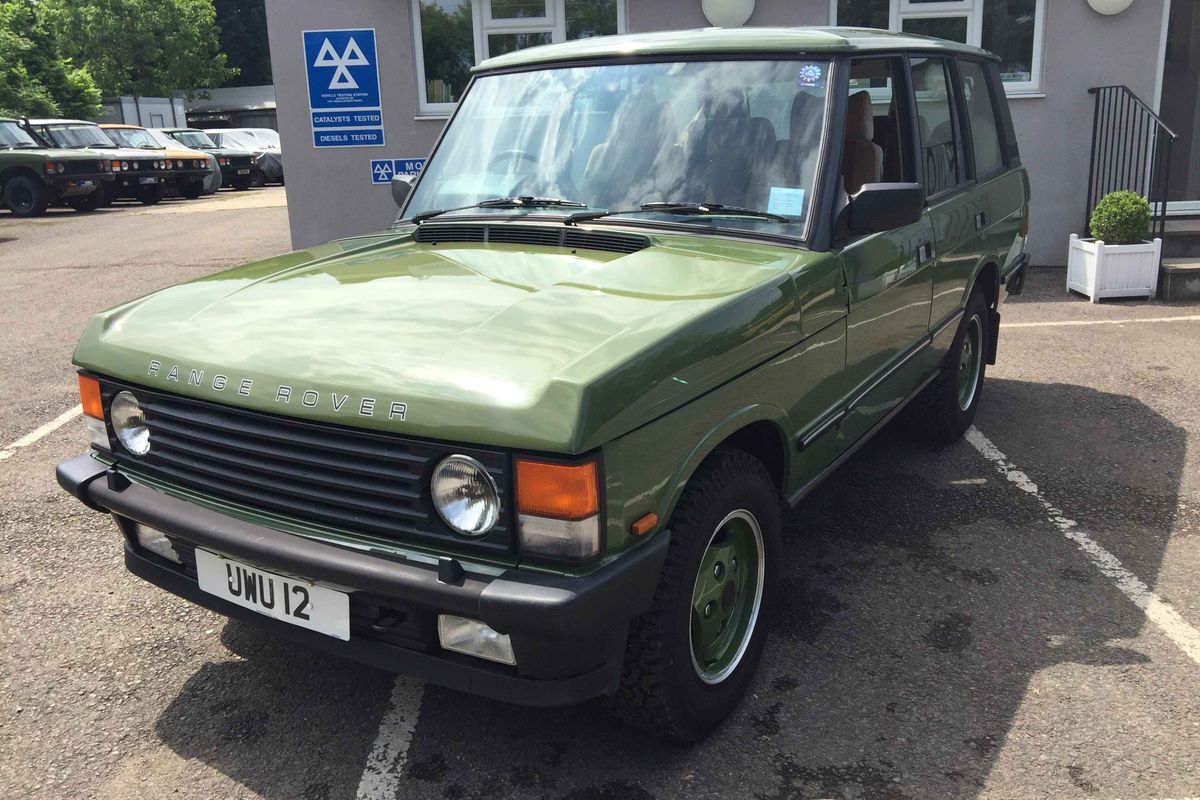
[
  {"x": 560, "y": 491},
  {"x": 89, "y": 396}
]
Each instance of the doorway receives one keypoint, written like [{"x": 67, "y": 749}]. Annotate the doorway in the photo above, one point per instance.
[{"x": 1180, "y": 105}]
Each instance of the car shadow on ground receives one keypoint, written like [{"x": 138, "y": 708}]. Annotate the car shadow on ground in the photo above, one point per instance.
[{"x": 921, "y": 593}]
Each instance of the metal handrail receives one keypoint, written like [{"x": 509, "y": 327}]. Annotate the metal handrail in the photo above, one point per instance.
[
  {"x": 1141, "y": 103},
  {"x": 1131, "y": 149}
]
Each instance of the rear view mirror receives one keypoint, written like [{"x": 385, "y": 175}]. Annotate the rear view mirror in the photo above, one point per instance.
[
  {"x": 401, "y": 186},
  {"x": 886, "y": 206}
]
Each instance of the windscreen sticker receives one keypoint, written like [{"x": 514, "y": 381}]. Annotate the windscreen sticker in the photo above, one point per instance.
[
  {"x": 811, "y": 76},
  {"x": 786, "y": 201}
]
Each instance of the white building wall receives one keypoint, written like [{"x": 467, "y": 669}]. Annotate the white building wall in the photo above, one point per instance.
[{"x": 330, "y": 194}]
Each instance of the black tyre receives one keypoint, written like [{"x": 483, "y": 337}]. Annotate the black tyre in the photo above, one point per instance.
[
  {"x": 191, "y": 189},
  {"x": 947, "y": 407},
  {"x": 690, "y": 659},
  {"x": 26, "y": 196},
  {"x": 87, "y": 202},
  {"x": 151, "y": 195},
  {"x": 108, "y": 192},
  {"x": 258, "y": 179},
  {"x": 242, "y": 184}
]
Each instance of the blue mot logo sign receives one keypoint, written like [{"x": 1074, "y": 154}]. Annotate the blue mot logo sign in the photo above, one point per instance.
[{"x": 343, "y": 88}]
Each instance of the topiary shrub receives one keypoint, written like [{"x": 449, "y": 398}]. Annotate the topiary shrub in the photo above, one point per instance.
[{"x": 1121, "y": 218}]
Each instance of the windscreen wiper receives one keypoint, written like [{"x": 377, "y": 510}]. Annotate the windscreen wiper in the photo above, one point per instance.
[
  {"x": 686, "y": 209},
  {"x": 502, "y": 202}
]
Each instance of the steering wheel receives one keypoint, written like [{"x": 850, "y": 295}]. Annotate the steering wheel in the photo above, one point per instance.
[{"x": 509, "y": 156}]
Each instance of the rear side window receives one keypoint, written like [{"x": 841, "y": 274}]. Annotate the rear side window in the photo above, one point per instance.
[
  {"x": 941, "y": 162},
  {"x": 986, "y": 134}
]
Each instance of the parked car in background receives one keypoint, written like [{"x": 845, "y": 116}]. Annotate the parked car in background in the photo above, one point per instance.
[
  {"x": 211, "y": 183},
  {"x": 236, "y": 164},
  {"x": 187, "y": 170},
  {"x": 535, "y": 440},
  {"x": 137, "y": 174},
  {"x": 268, "y": 160},
  {"x": 33, "y": 178}
]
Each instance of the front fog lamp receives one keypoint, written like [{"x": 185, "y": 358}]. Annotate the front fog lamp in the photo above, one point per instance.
[
  {"x": 129, "y": 423},
  {"x": 473, "y": 638},
  {"x": 156, "y": 542},
  {"x": 465, "y": 496}
]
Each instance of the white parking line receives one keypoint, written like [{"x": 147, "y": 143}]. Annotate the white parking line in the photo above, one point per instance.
[
  {"x": 381, "y": 777},
  {"x": 35, "y": 436},
  {"x": 1157, "y": 610},
  {"x": 1067, "y": 323}
]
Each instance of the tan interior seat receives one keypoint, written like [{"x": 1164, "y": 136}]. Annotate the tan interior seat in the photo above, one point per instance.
[{"x": 862, "y": 161}]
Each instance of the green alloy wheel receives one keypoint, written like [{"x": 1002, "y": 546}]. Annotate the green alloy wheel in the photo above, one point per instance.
[
  {"x": 727, "y": 596},
  {"x": 947, "y": 407},
  {"x": 691, "y": 658}
]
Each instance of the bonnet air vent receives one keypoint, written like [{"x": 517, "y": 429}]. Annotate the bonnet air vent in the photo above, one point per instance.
[{"x": 569, "y": 238}]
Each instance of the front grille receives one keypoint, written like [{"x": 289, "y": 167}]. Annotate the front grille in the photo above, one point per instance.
[
  {"x": 348, "y": 479},
  {"x": 83, "y": 167},
  {"x": 241, "y": 161},
  {"x": 543, "y": 236}
]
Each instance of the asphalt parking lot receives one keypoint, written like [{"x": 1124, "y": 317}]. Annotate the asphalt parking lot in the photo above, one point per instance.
[{"x": 1013, "y": 617}]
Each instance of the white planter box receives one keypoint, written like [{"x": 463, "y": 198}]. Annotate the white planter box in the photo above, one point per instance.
[{"x": 1102, "y": 270}]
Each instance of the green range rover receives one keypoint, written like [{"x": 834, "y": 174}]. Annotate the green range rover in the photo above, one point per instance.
[
  {"x": 534, "y": 441},
  {"x": 33, "y": 178}
]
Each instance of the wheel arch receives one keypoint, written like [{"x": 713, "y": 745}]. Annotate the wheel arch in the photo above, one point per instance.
[
  {"x": 757, "y": 430},
  {"x": 987, "y": 277},
  {"x": 12, "y": 172}
]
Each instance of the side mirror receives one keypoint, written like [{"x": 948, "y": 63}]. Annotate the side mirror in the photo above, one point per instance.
[
  {"x": 886, "y": 206},
  {"x": 401, "y": 186}
]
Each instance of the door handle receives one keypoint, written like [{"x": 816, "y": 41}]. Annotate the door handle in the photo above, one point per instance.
[
  {"x": 925, "y": 253},
  {"x": 980, "y": 220}
]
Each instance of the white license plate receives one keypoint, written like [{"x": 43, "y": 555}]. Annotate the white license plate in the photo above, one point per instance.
[
  {"x": 147, "y": 181},
  {"x": 286, "y": 599},
  {"x": 243, "y": 172}
]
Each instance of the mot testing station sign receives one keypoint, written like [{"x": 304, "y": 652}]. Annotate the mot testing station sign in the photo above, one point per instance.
[
  {"x": 384, "y": 169},
  {"x": 343, "y": 88}
]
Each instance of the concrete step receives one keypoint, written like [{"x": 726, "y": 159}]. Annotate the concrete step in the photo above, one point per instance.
[
  {"x": 1181, "y": 278},
  {"x": 1181, "y": 244}
]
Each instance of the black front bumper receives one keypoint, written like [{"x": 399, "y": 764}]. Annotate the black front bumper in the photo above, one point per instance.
[
  {"x": 76, "y": 185},
  {"x": 568, "y": 633},
  {"x": 231, "y": 175},
  {"x": 132, "y": 181}
]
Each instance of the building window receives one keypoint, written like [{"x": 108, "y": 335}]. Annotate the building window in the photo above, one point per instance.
[
  {"x": 451, "y": 36},
  {"x": 1012, "y": 29}
]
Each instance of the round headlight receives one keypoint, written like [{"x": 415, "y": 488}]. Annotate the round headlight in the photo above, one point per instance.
[
  {"x": 465, "y": 496},
  {"x": 129, "y": 423},
  {"x": 124, "y": 166}
]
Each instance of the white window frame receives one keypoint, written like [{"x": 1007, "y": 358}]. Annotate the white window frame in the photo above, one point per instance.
[
  {"x": 900, "y": 10},
  {"x": 483, "y": 24}
]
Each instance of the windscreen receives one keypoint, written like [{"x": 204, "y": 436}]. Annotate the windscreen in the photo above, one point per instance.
[
  {"x": 195, "y": 139},
  {"x": 15, "y": 137},
  {"x": 79, "y": 136},
  {"x": 133, "y": 137},
  {"x": 744, "y": 134}
]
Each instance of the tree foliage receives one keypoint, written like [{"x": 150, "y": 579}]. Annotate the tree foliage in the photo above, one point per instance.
[
  {"x": 36, "y": 79},
  {"x": 243, "y": 26},
  {"x": 143, "y": 47}
]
